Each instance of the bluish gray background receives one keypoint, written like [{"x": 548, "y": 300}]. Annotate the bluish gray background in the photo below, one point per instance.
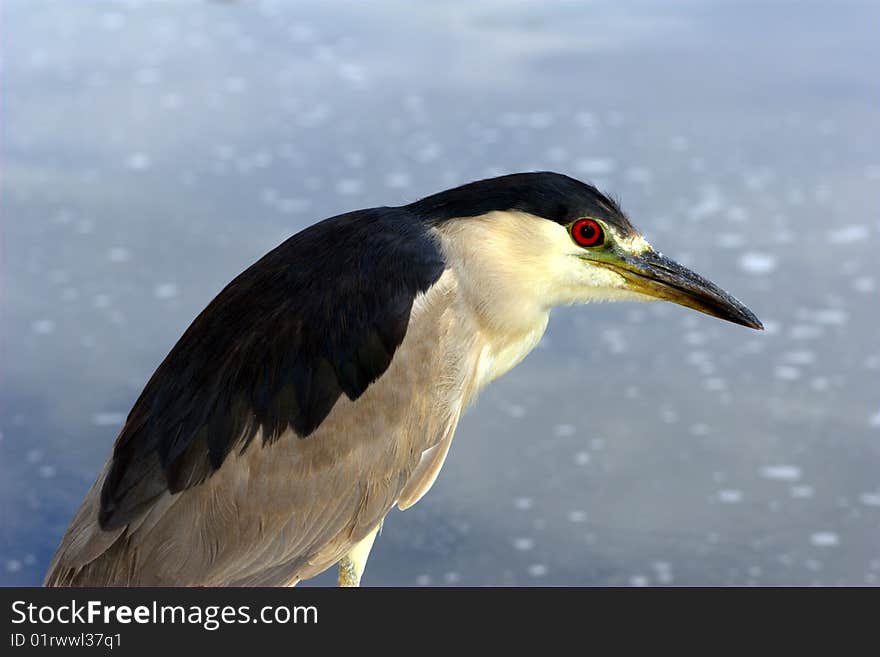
[{"x": 152, "y": 150}]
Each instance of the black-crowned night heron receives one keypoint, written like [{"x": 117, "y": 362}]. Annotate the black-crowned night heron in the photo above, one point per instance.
[{"x": 323, "y": 385}]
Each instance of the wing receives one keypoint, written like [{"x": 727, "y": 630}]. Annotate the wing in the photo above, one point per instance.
[
  {"x": 319, "y": 316},
  {"x": 276, "y": 513}
]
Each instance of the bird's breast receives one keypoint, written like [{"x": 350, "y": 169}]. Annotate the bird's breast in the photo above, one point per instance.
[{"x": 501, "y": 352}]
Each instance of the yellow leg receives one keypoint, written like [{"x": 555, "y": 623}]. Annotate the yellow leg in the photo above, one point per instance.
[{"x": 351, "y": 566}]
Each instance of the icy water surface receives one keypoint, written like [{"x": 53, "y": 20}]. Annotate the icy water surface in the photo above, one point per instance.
[{"x": 152, "y": 150}]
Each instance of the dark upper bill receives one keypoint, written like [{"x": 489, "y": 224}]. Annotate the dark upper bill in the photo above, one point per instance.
[{"x": 655, "y": 275}]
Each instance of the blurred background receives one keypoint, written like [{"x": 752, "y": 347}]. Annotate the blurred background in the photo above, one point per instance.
[{"x": 150, "y": 151}]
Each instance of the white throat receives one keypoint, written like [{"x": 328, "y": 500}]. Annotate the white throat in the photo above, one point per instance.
[{"x": 511, "y": 268}]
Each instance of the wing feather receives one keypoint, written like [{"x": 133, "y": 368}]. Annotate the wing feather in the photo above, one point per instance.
[{"x": 318, "y": 317}]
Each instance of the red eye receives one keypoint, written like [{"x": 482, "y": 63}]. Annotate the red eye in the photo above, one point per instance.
[{"x": 587, "y": 232}]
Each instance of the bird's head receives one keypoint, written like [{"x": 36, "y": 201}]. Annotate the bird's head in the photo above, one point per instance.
[{"x": 545, "y": 239}]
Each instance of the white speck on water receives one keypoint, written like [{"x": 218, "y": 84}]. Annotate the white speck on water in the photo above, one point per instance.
[
  {"x": 452, "y": 578},
  {"x": 43, "y": 326},
  {"x": 874, "y": 420},
  {"x": 825, "y": 539},
  {"x": 864, "y": 284},
  {"x": 870, "y": 499},
  {"x": 138, "y": 162},
  {"x": 757, "y": 263},
  {"x": 564, "y": 430},
  {"x": 13, "y": 565},
  {"x": 108, "y": 419},
  {"x": 710, "y": 202},
  {"x": 828, "y": 316},
  {"x": 638, "y": 580},
  {"x": 62, "y": 217},
  {"x": 795, "y": 196},
  {"x": 805, "y": 332},
  {"x": 112, "y": 21},
  {"x": 47, "y": 471},
  {"x": 640, "y": 175},
  {"x": 235, "y": 85},
  {"x": 350, "y": 186},
  {"x": 615, "y": 341},
  {"x": 731, "y": 240},
  {"x": 398, "y": 180},
  {"x": 715, "y": 384},
  {"x": 293, "y": 205},
  {"x": 813, "y": 564},
  {"x": 737, "y": 214},
  {"x": 849, "y": 234},
  {"x": 58, "y": 277},
  {"x": 595, "y": 166},
  {"x": 679, "y": 143},
  {"x": 302, "y": 33},
  {"x": 515, "y": 411},
  {"x": 781, "y": 472},
  {"x": 269, "y": 195},
  {"x": 695, "y": 338},
  {"x": 523, "y": 544},
  {"x": 423, "y": 580},
  {"x": 353, "y": 73},
  {"x": 582, "y": 458},
  {"x": 170, "y": 101},
  {"x": 588, "y": 120},
  {"x": 662, "y": 571},
  {"x": 538, "y": 570},
  {"x": 787, "y": 373},
  {"x": 577, "y": 516},
  {"x": 802, "y": 492},
  {"x": 148, "y": 76},
  {"x": 118, "y": 254},
  {"x": 165, "y": 291},
  {"x": 730, "y": 496},
  {"x": 523, "y": 503},
  {"x": 557, "y": 154},
  {"x": 799, "y": 357},
  {"x": 428, "y": 153},
  {"x": 700, "y": 429},
  {"x": 783, "y": 237},
  {"x": 819, "y": 383},
  {"x": 823, "y": 193}
]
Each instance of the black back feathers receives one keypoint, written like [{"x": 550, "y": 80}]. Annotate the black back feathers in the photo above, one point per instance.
[{"x": 319, "y": 316}]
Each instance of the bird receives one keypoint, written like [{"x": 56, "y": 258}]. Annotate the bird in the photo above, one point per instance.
[{"x": 323, "y": 385}]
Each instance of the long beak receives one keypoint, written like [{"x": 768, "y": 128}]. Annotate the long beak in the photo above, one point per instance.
[{"x": 655, "y": 275}]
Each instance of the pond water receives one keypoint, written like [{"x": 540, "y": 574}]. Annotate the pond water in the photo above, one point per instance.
[{"x": 152, "y": 150}]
